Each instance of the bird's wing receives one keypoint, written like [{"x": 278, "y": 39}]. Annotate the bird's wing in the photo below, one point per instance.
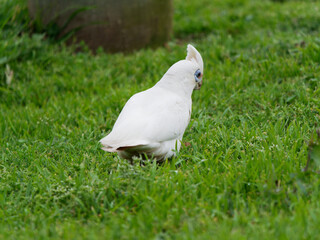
[{"x": 149, "y": 117}]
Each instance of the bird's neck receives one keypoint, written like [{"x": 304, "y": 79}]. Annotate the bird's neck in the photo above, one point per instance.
[{"x": 181, "y": 88}]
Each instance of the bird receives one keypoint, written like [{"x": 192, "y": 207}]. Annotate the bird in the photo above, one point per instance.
[{"x": 152, "y": 122}]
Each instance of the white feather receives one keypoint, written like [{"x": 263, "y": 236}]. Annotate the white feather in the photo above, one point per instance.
[{"x": 153, "y": 122}]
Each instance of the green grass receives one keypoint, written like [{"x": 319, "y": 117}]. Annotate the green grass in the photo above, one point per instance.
[{"x": 251, "y": 123}]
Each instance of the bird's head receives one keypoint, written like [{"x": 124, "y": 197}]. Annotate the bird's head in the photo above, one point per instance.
[
  {"x": 186, "y": 73},
  {"x": 197, "y": 63}
]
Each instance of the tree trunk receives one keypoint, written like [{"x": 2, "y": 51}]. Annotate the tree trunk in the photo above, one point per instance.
[{"x": 115, "y": 25}]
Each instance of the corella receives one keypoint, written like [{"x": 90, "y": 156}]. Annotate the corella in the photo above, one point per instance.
[{"x": 152, "y": 122}]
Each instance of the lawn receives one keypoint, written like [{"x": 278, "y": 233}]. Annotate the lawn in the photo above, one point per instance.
[{"x": 242, "y": 175}]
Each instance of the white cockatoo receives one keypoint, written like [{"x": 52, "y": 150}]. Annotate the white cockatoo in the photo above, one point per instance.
[{"x": 152, "y": 122}]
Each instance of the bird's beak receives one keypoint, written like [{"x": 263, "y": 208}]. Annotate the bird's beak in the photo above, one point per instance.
[{"x": 198, "y": 85}]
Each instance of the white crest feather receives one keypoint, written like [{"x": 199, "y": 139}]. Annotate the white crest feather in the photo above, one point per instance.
[{"x": 194, "y": 55}]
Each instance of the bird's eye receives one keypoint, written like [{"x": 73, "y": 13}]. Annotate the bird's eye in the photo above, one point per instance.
[{"x": 198, "y": 73}]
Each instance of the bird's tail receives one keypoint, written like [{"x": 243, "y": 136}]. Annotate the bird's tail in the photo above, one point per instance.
[{"x": 108, "y": 148}]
